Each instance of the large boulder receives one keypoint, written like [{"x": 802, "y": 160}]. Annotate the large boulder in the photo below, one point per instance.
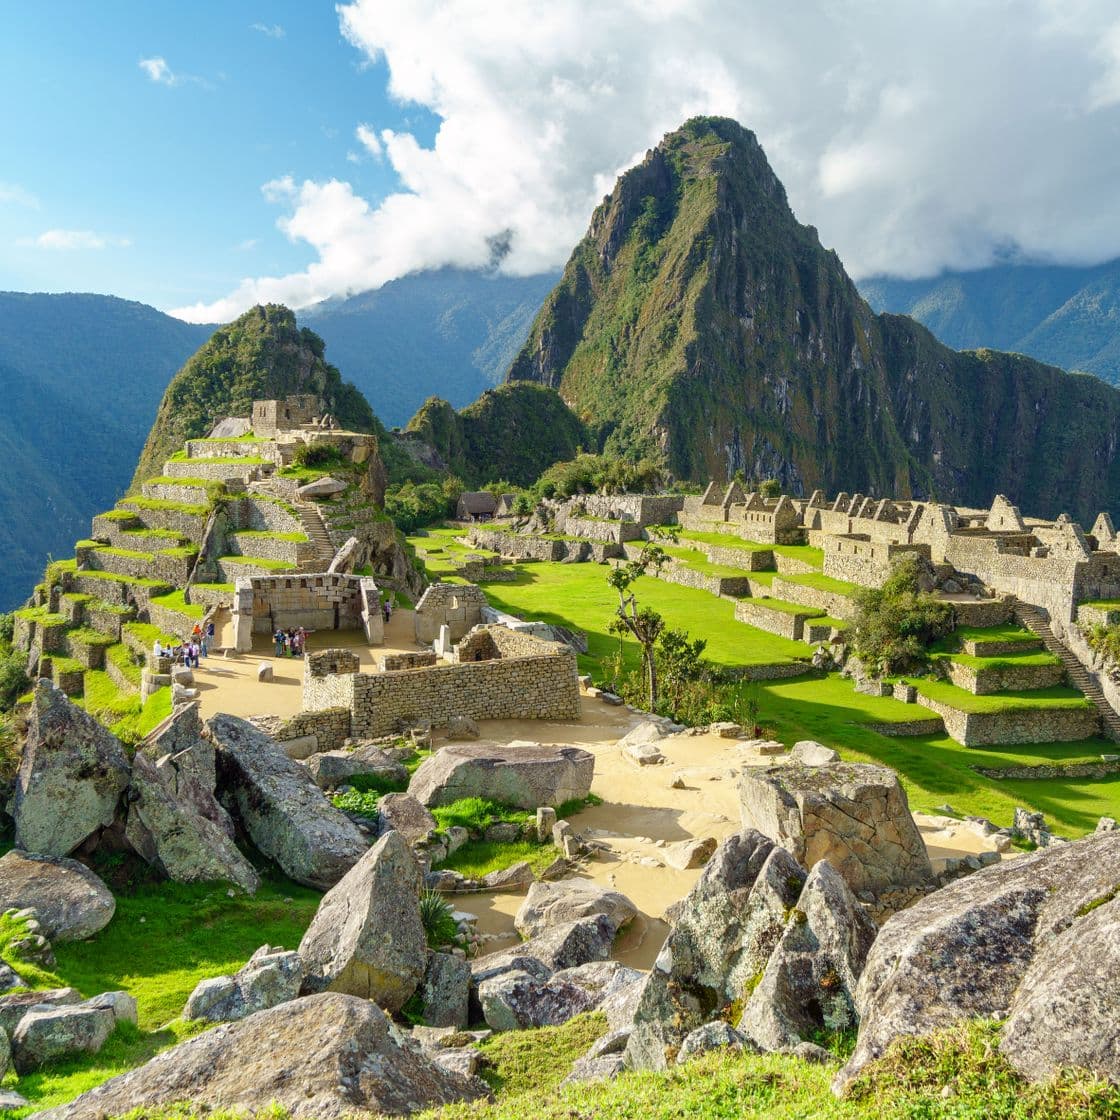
[
  {"x": 176, "y": 839},
  {"x": 401, "y": 812},
  {"x": 515, "y": 1001},
  {"x": 725, "y": 931},
  {"x": 445, "y": 991},
  {"x": 285, "y": 814},
  {"x": 49, "y": 1032},
  {"x": 809, "y": 982},
  {"x": 71, "y": 777},
  {"x": 70, "y": 901},
  {"x": 15, "y": 1005},
  {"x": 323, "y": 1058},
  {"x": 1033, "y": 940},
  {"x": 270, "y": 977},
  {"x": 852, "y": 814},
  {"x": 366, "y": 938},
  {"x": 332, "y": 769},
  {"x": 559, "y": 947},
  {"x": 523, "y": 774},
  {"x": 556, "y": 903}
]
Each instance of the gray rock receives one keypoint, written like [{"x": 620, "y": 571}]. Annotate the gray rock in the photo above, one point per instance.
[
  {"x": 13, "y": 1007},
  {"x": 45, "y": 1034},
  {"x": 72, "y": 775},
  {"x": 687, "y": 854},
  {"x": 558, "y": 948},
  {"x": 613, "y": 1042},
  {"x": 402, "y": 813},
  {"x": 604, "y": 1068},
  {"x": 446, "y": 990},
  {"x": 526, "y": 775},
  {"x": 726, "y": 929},
  {"x": 461, "y": 1060},
  {"x": 810, "y": 979},
  {"x": 716, "y": 1035},
  {"x": 462, "y": 727},
  {"x": 517, "y": 877},
  {"x": 808, "y": 752},
  {"x": 70, "y": 901},
  {"x": 853, "y": 814},
  {"x": 322, "y": 1058},
  {"x": 264, "y": 672},
  {"x": 331, "y": 769},
  {"x": 1002, "y": 943},
  {"x": 174, "y": 838},
  {"x": 269, "y": 978},
  {"x": 546, "y": 820},
  {"x": 366, "y": 938},
  {"x": 325, "y": 487},
  {"x": 9, "y": 978},
  {"x": 515, "y": 1001},
  {"x": 285, "y": 814},
  {"x": 121, "y": 1004},
  {"x": 557, "y": 903},
  {"x": 11, "y": 1100},
  {"x": 503, "y": 832},
  {"x": 809, "y": 1052}
]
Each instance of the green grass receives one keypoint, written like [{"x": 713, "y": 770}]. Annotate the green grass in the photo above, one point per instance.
[
  {"x": 146, "y": 634},
  {"x": 783, "y": 606},
  {"x": 477, "y": 858},
  {"x": 163, "y": 940},
  {"x": 224, "y": 588},
  {"x": 176, "y": 601},
  {"x": 152, "y": 534},
  {"x": 104, "y": 700},
  {"x": 223, "y": 460},
  {"x": 124, "y": 553},
  {"x": 166, "y": 504},
  {"x": 821, "y": 582},
  {"x": 174, "y": 480},
  {"x": 1026, "y": 659},
  {"x": 117, "y": 515},
  {"x": 803, "y": 552},
  {"x": 1058, "y": 696},
  {"x": 1010, "y": 632},
  {"x": 262, "y": 562},
  {"x": 42, "y": 615},
  {"x": 131, "y": 581},
  {"x": 84, "y": 636},
  {"x": 136, "y": 725},
  {"x": 1101, "y": 604},
  {"x": 101, "y": 606},
  {"x": 61, "y": 664},
  {"x": 121, "y": 657},
  {"x": 268, "y": 535}
]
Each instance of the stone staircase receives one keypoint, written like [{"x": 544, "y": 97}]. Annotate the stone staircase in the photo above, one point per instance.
[
  {"x": 1038, "y": 623},
  {"x": 316, "y": 529}
]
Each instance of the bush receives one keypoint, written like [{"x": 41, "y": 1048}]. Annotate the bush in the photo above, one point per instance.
[
  {"x": 438, "y": 919},
  {"x": 587, "y": 474},
  {"x": 1105, "y": 640},
  {"x": 896, "y": 623},
  {"x": 412, "y": 505},
  {"x": 320, "y": 455}
]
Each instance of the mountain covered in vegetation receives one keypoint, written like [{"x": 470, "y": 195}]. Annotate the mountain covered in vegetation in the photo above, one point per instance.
[
  {"x": 263, "y": 355},
  {"x": 699, "y": 321},
  {"x": 448, "y": 331},
  {"x": 1065, "y": 315},
  {"x": 80, "y": 379}
]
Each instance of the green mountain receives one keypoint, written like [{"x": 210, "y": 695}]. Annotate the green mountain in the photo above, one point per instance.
[
  {"x": 699, "y": 321},
  {"x": 263, "y": 355},
  {"x": 448, "y": 331},
  {"x": 1067, "y": 316},
  {"x": 80, "y": 379},
  {"x": 511, "y": 433}
]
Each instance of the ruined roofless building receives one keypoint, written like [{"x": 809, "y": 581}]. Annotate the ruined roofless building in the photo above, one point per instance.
[{"x": 270, "y": 417}]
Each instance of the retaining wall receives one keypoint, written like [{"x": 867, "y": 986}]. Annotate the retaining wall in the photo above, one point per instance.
[{"x": 1034, "y": 725}]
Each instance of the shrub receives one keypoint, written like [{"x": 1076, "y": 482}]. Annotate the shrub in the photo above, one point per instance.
[
  {"x": 438, "y": 919},
  {"x": 1105, "y": 640},
  {"x": 317, "y": 455},
  {"x": 896, "y": 623}
]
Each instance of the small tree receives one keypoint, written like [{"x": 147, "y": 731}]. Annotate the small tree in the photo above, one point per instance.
[
  {"x": 895, "y": 623},
  {"x": 644, "y": 623},
  {"x": 771, "y": 488}
]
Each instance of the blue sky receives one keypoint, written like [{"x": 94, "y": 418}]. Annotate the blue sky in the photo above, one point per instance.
[
  {"x": 89, "y": 143},
  {"x": 203, "y": 155}
]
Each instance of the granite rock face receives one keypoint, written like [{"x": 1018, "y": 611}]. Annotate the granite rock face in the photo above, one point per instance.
[
  {"x": 401, "y": 812},
  {"x": 270, "y": 977},
  {"x": 1033, "y": 940},
  {"x": 852, "y": 814},
  {"x": 527, "y": 775},
  {"x": 71, "y": 902},
  {"x": 809, "y": 982},
  {"x": 322, "y": 1058},
  {"x": 285, "y": 814},
  {"x": 725, "y": 931},
  {"x": 72, "y": 775},
  {"x": 555, "y": 903},
  {"x": 446, "y": 990},
  {"x": 366, "y": 938},
  {"x": 331, "y": 769}
]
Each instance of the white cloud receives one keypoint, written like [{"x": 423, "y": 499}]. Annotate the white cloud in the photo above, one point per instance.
[
  {"x": 915, "y": 136},
  {"x": 66, "y": 239},
  {"x": 161, "y": 73},
  {"x": 12, "y": 194},
  {"x": 368, "y": 139},
  {"x": 247, "y": 245},
  {"x": 272, "y": 30}
]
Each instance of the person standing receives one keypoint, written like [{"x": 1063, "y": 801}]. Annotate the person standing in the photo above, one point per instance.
[{"x": 278, "y": 638}]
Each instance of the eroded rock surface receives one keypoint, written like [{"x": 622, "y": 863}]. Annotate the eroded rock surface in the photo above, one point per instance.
[
  {"x": 270, "y": 977},
  {"x": 71, "y": 902},
  {"x": 565, "y": 900}
]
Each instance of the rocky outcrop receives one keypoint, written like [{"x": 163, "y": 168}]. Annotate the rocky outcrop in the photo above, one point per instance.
[
  {"x": 331, "y": 769},
  {"x": 270, "y": 977},
  {"x": 175, "y": 838},
  {"x": 445, "y": 991},
  {"x": 284, "y": 813},
  {"x": 810, "y": 980},
  {"x": 46, "y": 1033},
  {"x": 567, "y": 946},
  {"x": 523, "y": 774},
  {"x": 366, "y": 938},
  {"x": 15, "y": 1005},
  {"x": 322, "y": 1058},
  {"x": 513, "y": 1001},
  {"x": 724, "y": 934},
  {"x": 70, "y": 901},
  {"x": 1032, "y": 940},
  {"x": 567, "y": 900},
  {"x": 401, "y": 812},
  {"x": 716, "y": 1035},
  {"x": 71, "y": 777},
  {"x": 852, "y": 814}
]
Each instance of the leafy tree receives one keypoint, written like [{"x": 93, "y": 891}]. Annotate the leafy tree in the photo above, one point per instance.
[
  {"x": 13, "y": 666},
  {"x": 770, "y": 488},
  {"x": 643, "y": 623},
  {"x": 895, "y": 623}
]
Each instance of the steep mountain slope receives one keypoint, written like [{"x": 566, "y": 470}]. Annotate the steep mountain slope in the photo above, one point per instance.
[
  {"x": 698, "y": 320},
  {"x": 511, "y": 433},
  {"x": 1067, "y": 316},
  {"x": 80, "y": 378},
  {"x": 262, "y": 355},
  {"x": 450, "y": 331}
]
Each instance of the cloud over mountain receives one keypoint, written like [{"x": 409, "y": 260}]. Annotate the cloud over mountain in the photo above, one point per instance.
[{"x": 916, "y": 136}]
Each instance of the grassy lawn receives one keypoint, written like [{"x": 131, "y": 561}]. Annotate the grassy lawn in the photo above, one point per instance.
[
  {"x": 812, "y": 556},
  {"x": 175, "y": 601},
  {"x": 262, "y": 562},
  {"x": 1059, "y": 696},
  {"x": 822, "y": 583},
  {"x": 1011, "y": 632},
  {"x": 1022, "y": 660},
  {"x": 783, "y": 606},
  {"x": 698, "y": 562}
]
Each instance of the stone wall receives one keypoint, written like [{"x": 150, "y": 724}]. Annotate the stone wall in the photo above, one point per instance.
[
  {"x": 217, "y": 471},
  {"x": 830, "y": 602},
  {"x": 1055, "y": 771},
  {"x": 261, "y": 514},
  {"x": 865, "y": 562},
  {"x": 1097, "y": 616},
  {"x": 595, "y": 529},
  {"x": 749, "y": 560},
  {"x": 330, "y": 726},
  {"x": 1034, "y": 725},
  {"x": 394, "y": 662},
  {"x": 189, "y": 525},
  {"x": 522, "y": 546},
  {"x": 172, "y": 569},
  {"x": 176, "y": 492},
  {"x": 315, "y": 601},
  {"x": 271, "y": 548},
  {"x": 754, "y": 612},
  {"x": 457, "y": 606},
  {"x": 982, "y": 681},
  {"x": 643, "y": 509},
  {"x": 227, "y": 448},
  {"x": 982, "y": 612}
]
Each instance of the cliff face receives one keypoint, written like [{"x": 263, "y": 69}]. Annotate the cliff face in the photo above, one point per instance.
[
  {"x": 262, "y": 355},
  {"x": 698, "y": 320}
]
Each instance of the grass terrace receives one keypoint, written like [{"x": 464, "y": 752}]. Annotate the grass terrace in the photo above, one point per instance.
[
  {"x": 145, "y": 634},
  {"x": 131, "y": 581},
  {"x": 262, "y": 562},
  {"x": 176, "y": 601},
  {"x": 221, "y": 460},
  {"x": 121, "y": 657},
  {"x": 1058, "y": 696},
  {"x": 698, "y": 562},
  {"x": 269, "y": 535},
  {"x": 223, "y": 588},
  {"x": 821, "y": 582},
  {"x": 784, "y": 606},
  {"x": 806, "y": 553},
  {"x": 165, "y": 504},
  {"x": 1026, "y": 659}
]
